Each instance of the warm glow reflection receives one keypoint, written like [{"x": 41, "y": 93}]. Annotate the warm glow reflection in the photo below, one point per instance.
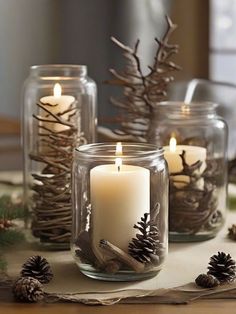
[
  {"x": 173, "y": 144},
  {"x": 118, "y": 149},
  {"x": 185, "y": 109},
  {"x": 57, "y": 90}
]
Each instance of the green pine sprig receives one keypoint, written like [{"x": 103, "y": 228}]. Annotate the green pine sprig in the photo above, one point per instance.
[
  {"x": 3, "y": 264},
  {"x": 11, "y": 237},
  {"x": 9, "y": 210}
]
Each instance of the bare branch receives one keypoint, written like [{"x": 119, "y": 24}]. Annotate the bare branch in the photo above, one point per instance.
[{"x": 142, "y": 92}]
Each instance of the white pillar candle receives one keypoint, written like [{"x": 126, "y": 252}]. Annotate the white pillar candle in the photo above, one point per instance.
[
  {"x": 192, "y": 155},
  {"x": 56, "y": 104},
  {"x": 120, "y": 195}
]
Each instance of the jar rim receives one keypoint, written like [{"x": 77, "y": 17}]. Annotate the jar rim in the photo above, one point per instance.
[
  {"x": 58, "y": 65},
  {"x": 131, "y": 150},
  {"x": 56, "y": 70},
  {"x": 196, "y": 106}
]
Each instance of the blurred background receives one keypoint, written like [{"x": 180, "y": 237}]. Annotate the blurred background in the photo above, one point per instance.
[{"x": 78, "y": 32}]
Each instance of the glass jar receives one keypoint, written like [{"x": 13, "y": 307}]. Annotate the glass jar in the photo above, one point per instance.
[
  {"x": 59, "y": 114},
  {"x": 197, "y": 167},
  {"x": 120, "y": 199}
]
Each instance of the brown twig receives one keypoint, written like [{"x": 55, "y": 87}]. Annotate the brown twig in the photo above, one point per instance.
[{"x": 122, "y": 256}]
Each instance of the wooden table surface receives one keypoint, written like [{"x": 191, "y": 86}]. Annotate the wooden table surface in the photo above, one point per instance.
[{"x": 199, "y": 307}]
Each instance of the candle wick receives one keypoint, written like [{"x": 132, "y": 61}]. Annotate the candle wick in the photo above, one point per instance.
[{"x": 118, "y": 163}]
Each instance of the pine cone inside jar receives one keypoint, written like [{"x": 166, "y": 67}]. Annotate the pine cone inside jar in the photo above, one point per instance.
[
  {"x": 206, "y": 281},
  {"x": 146, "y": 244},
  {"x": 37, "y": 267},
  {"x": 28, "y": 289},
  {"x": 222, "y": 266},
  {"x": 232, "y": 232}
]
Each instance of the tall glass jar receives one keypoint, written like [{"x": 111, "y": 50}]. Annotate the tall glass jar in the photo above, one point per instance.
[
  {"x": 59, "y": 114},
  {"x": 120, "y": 199},
  {"x": 195, "y": 143}
]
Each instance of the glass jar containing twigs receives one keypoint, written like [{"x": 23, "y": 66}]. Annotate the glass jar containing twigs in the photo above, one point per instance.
[
  {"x": 59, "y": 114},
  {"x": 120, "y": 200},
  {"x": 195, "y": 143}
]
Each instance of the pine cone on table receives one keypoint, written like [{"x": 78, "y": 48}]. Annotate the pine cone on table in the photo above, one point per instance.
[
  {"x": 222, "y": 266},
  {"x": 206, "y": 281},
  {"x": 37, "y": 267},
  {"x": 144, "y": 247},
  {"x": 28, "y": 289},
  {"x": 232, "y": 232}
]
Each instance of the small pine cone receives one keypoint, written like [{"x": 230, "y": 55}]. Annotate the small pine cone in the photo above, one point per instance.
[
  {"x": 28, "y": 289},
  {"x": 206, "y": 281},
  {"x": 37, "y": 267},
  {"x": 232, "y": 232},
  {"x": 146, "y": 243},
  {"x": 222, "y": 267}
]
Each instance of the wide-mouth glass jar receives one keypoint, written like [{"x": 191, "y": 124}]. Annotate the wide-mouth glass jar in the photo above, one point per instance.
[
  {"x": 120, "y": 200},
  {"x": 59, "y": 114},
  {"x": 195, "y": 143}
]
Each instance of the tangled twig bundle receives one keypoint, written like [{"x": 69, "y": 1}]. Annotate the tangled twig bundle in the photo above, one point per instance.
[
  {"x": 194, "y": 208},
  {"x": 51, "y": 183}
]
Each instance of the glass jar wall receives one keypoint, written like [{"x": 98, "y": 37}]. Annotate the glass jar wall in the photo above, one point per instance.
[
  {"x": 59, "y": 114},
  {"x": 120, "y": 199},
  {"x": 195, "y": 144}
]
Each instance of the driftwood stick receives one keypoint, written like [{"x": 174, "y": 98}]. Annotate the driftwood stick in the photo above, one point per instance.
[
  {"x": 154, "y": 213},
  {"x": 59, "y": 121},
  {"x": 71, "y": 109},
  {"x": 50, "y": 113},
  {"x": 64, "y": 151},
  {"x": 122, "y": 256},
  {"x": 49, "y": 162}
]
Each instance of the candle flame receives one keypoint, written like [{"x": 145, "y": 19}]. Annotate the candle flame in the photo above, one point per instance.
[
  {"x": 118, "y": 149},
  {"x": 173, "y": 143},
  {"x": 57, "y": 90},
  {"x": 118, "y": 163}
]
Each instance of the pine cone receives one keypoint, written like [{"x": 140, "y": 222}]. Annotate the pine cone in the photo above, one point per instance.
[
  {"x": 28, "y": 289},
  {"x": 232, "y": 232},
  {"x": 222, "y": 267},
  {"x": 207, "y": 281},
  {"x": 37, "y": 267},
  {"x": 144, "y": 247}
]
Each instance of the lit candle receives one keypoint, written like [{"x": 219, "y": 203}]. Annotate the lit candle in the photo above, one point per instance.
[
  {"x": 57, "y": 104},
  {"x": 192, "y": 155},
  {"x": 120, "y": 195}
]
